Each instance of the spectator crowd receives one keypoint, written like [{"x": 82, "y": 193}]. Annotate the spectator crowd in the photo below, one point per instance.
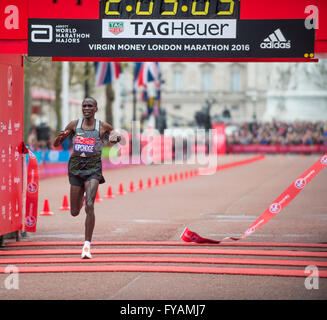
[
  {"x": 277, "y": 133},
  {"x": 245, "y": 133}
]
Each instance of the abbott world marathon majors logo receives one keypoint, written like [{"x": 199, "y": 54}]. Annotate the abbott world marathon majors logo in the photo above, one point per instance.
[
  {"x": 41, "y": 33},
  {"x": 276, "y": 40},
  {"x": 58, "y": 33}
]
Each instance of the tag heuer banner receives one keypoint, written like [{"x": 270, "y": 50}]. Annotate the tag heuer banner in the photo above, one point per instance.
[{"x": 170, "y": 38}]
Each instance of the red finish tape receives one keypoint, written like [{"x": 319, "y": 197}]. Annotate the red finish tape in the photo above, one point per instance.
[{"x": 275, "y": 207}]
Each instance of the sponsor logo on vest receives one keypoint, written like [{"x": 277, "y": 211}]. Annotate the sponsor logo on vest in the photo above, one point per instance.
[
  {"x": 83, "y": 144},
  {"x": 84, "y": 148}
]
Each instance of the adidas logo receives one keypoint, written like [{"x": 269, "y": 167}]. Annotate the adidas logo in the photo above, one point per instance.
[{"x": 276, "y": 41}]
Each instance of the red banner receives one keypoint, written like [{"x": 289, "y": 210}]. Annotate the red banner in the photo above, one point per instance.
[
  {"x": 254, "y": 148},
  {"x": 219, "y": 138},
  {"x": 275, "y": 207},
  {"x": 11, "y": 136},
  {"x": 32, "y": 191}
]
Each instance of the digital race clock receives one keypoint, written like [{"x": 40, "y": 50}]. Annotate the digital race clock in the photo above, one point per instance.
[
  {"x": 163, "y": 30},
  {"x": 170, "y": 9}
]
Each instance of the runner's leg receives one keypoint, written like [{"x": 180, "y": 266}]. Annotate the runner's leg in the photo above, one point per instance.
[
  {"x": 91, "y": 188},
  {"x": 76, "y": 199}
]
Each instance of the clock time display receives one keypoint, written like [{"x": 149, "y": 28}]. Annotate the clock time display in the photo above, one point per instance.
[{"x": 170, "y": 9}]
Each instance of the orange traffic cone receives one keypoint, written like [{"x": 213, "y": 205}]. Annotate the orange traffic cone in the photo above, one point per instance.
[
  {"x": 97, "y": 197},
  {"x": 46, "y": 209},
  {"x": 109, "y": 193},
  {"x": 131, "y": 187},
  {"x": 140, "y": 184},
  {"x": 181, "y": 176},
  {"x": 157, "y": 182},
  {"x": 191, "y": 173},
  {"x": 170, "y": 178},
  {"x": 120, "y": 190},
  {"x": 175, "y": 177},
  {"x": 186, "y": 175},
  {"x": 65, "y": 206},
  {"x": 149, "y": 182},
  {"x": 163, "y": 179}
]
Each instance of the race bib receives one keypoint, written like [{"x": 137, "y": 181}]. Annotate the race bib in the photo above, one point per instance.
[{"x": 84, "y": 144}]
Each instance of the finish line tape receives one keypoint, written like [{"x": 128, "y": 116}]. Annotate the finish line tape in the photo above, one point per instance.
[{"x": 275, "y": 207}]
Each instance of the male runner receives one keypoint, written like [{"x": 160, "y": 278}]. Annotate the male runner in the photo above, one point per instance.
[{"x": 85, "y": 166}]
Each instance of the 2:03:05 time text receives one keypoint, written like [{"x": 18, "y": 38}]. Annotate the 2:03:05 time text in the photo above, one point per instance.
[{"x": 171, "y": 8}]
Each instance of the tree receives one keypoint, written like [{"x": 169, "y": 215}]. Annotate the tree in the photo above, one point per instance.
[
  {"x": 38, "y": 72},
  {"x": 81, "y": 74},
  {"x": 58, "y": 82},
  {"x": 110, "y": 97}
]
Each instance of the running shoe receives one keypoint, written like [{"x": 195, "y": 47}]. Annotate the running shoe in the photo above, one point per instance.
[{"x": 86, "y": 254}]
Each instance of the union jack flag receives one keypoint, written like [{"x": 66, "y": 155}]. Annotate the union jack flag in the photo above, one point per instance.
[
  {"x": 146, "y": 72},
  {"x": 106, "y": 72}
]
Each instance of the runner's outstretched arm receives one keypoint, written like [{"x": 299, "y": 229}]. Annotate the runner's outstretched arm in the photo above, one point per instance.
[
  {"x": 70, "y": 128},
  {"x": 113, "y": 136}
]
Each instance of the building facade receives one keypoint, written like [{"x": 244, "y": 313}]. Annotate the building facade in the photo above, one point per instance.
[
  {"x": 297, "y": 92},
  {"x": 237, "y": 89},
  {"x": 242, "y": 91}
]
